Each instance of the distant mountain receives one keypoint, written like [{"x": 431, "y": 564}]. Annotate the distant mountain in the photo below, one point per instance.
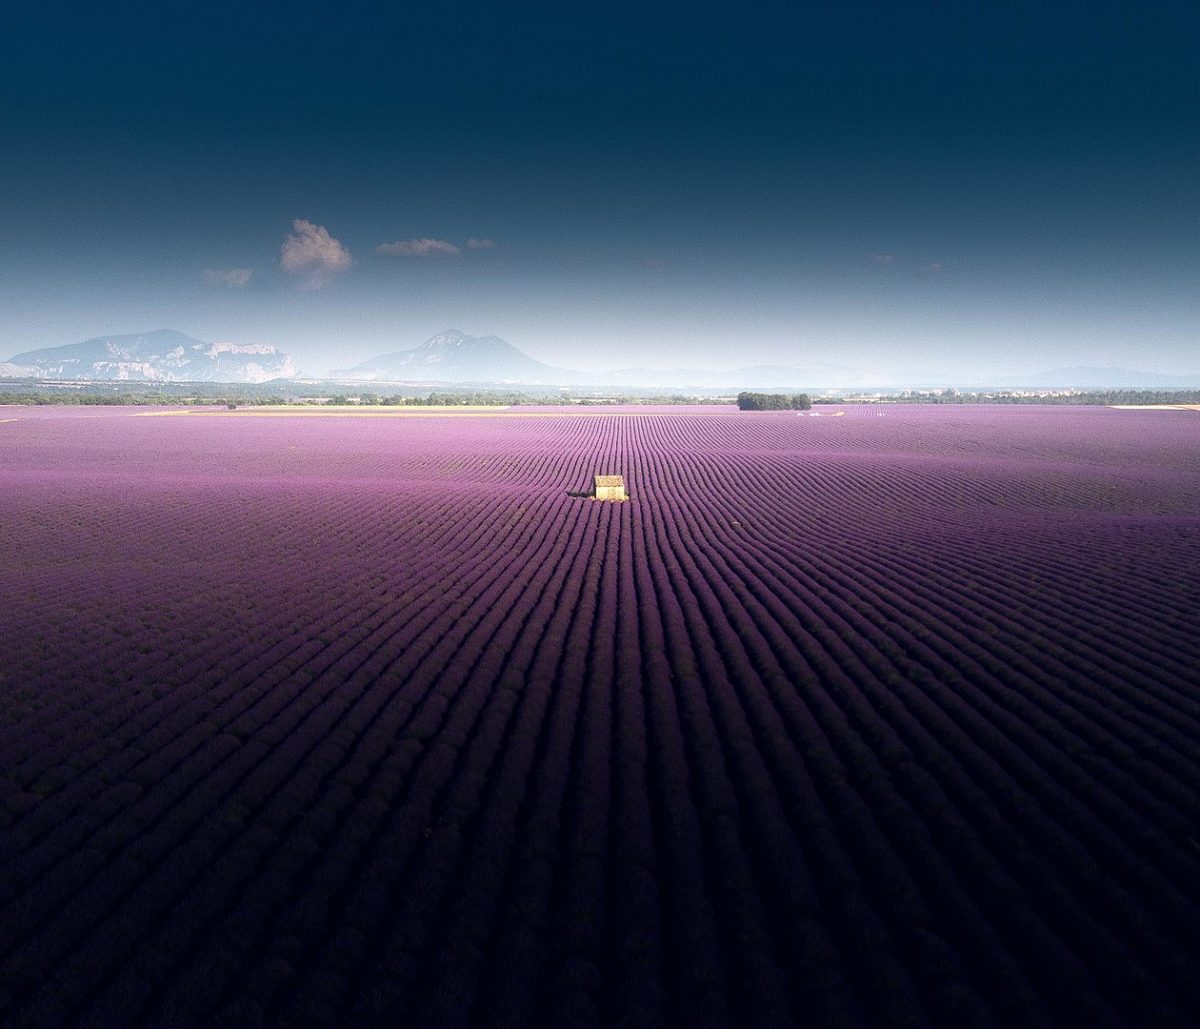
[
  {"x": 806, "y": 376},
  {"x": 1104, "y": 378},
  {"x": 452, "y": 356},
  {"x": 161, "y": 356}
]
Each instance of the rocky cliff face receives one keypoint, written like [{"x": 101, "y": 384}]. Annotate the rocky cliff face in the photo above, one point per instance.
[{"x": 162, "y": 356}]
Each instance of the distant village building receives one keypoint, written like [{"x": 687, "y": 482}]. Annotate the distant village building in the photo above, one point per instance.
[{"x": 609, "y": 487}]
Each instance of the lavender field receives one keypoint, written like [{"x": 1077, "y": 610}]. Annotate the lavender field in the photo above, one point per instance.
[{"x": 885, "y": 719}]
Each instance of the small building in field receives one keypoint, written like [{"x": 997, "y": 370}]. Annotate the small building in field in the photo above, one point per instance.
[{"x": 609, "y": 487}]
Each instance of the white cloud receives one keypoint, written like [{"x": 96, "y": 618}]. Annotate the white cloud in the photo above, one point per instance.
[
  {"x": 881, "y": 258},
  {"x": 418, "y": 248},
  {"x": 480, "y": 244},
  {"x": 309, "y": 251},
  {"x": 235, "y": 277},
  {"x": 933, "y": 267}
]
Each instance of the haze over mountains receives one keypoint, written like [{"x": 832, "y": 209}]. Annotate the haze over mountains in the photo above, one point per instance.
[
  {"x": 1103, "y": 378},
  {"x": 455, "y": 358}
]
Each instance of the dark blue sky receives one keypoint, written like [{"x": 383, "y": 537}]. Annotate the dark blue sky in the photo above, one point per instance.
[{"x": 904, "y": 188}]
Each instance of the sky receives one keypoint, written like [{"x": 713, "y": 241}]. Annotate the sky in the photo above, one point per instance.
[{"x": 967, "y": 189}]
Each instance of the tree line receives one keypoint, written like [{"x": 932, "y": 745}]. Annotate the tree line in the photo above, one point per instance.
[
  {"x": 774, "y": 401},
  {"x": 1097, "y": 397}
]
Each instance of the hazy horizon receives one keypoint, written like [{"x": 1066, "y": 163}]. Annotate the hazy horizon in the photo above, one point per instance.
[
  {"x": 965, "y": 193},
  {"x": 824, "y": 374}
]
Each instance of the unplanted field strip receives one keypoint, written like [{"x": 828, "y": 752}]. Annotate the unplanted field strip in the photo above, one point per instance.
[
  {"x": 1155, "y": 407},
  {"x": 424, "y": 412}
]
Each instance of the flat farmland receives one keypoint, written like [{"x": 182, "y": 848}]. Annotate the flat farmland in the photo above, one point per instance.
[{"x": 884, "y": 719}]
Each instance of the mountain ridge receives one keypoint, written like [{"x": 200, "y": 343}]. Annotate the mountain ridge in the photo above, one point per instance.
[
  {"x": 453, "y": 356},
  {"x": 162, "y": 355}
]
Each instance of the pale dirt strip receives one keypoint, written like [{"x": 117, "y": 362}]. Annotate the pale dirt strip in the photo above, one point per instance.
[
  {"x": 416, "y": 412},
  {"x": 1155, "y": 407}
]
